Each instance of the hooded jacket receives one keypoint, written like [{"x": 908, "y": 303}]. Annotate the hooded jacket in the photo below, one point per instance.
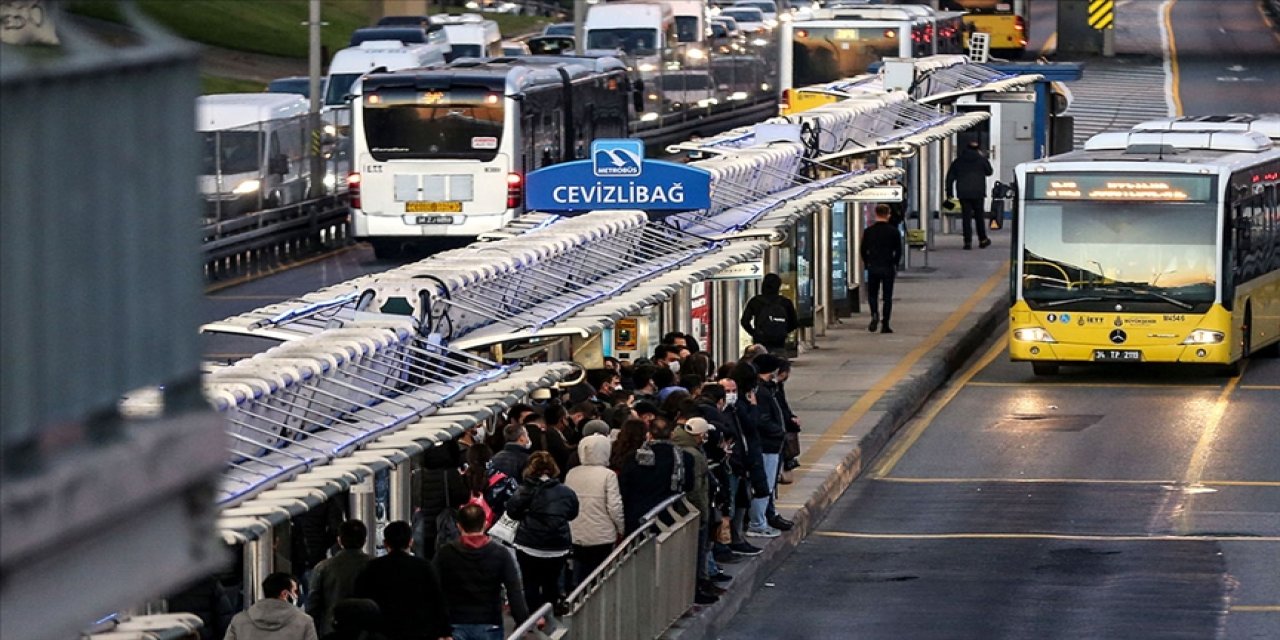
[
  {"x": 770, "y": 294},
  {"x": 649, "y": 476},
  {"x": 967, "y": 175},
  {"x": 272, "y": 619},
  {"x": 698, "y": 493},
  {"x": 600, "y": 516},
  {"x": 476, "y": 569},
  {"x": 544, "y": 508}
]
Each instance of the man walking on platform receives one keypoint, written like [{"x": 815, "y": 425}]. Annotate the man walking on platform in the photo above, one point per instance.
[
  {"x": 881, "y": 250},
  {"x": 276, "y": 616},
  {"x": 334, "y": 579},
  {"x": 406, "y": 589},
  {"x": 967, "y": 181}
]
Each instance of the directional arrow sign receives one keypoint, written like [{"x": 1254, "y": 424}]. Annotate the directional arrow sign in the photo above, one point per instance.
[{"x": 742, "y": 271}]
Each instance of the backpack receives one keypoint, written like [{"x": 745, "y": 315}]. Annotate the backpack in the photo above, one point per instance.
[
  {"x": 447, "y": 522},
  {"x": 770, "y": 322}
]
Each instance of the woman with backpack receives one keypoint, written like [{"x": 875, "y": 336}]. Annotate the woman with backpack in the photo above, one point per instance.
[
  {"x": 544, "y": 508},
  {"x": 488, "y": 487}
]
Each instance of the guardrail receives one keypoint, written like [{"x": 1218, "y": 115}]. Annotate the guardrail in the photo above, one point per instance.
[
  {"x": 655, "y": 565},
  {"x": 264, "y": 238}
]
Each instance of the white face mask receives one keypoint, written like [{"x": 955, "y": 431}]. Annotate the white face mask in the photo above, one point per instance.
[
  {"x": 730, "y": 397},
  {"x": 674, "y": 366}
]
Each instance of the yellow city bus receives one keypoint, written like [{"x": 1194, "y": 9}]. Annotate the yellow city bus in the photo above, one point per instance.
[
  {"x": 1004, "y": 20},
  {"x": 1158, "y": 244}
]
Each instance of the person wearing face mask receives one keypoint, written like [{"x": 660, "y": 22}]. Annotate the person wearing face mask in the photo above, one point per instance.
[
  {"x": 515, "y": 453},
  {"x": 276, "y": 616}
]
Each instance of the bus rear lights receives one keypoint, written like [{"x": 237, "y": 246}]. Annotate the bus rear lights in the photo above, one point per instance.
[
  {"x": 1033, "y": 334},
  {"x": 515, "y": 190},
  {"x": 353, "y": 189},
  {"x": 1205, "y": 336}
]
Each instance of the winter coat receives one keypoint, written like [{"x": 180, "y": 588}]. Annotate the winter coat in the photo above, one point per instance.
[
  {"x": 544, "y": 508},
  {"x": 440, "y": 486},
  {"x": 770, "y": 421},
  {"x": 748, "y": 418},
  {"x": 967, "y": 175},
  {"x": 698, "y": 494},
  {"x": 331, "y": 581},
  {"x": 511, "y": 460},
  {"x": 600, "y": 516},
  {"x": 408, "y": 593},
  {"x": 650, "y": 476},
  {"x": 272, "y": 619},
  {"x": 476, "y": 569}
]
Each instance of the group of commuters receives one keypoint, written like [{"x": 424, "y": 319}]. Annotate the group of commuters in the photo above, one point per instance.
[{"x": 575, "y": 472}]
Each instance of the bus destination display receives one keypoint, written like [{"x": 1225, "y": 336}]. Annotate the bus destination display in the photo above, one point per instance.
[{"x": 1117, "y": 187}]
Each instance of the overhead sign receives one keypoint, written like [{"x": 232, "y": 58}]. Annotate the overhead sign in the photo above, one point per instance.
[
  {"x": 753, "y": 270},
  {"x": 618, "y": 177},
  {"x": 892, "y": 193}
]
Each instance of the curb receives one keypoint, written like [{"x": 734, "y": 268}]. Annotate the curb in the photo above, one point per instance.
[{"x": 705, "y": 622}]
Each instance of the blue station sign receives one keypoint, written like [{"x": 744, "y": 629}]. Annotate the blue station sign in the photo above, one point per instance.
[{"x": 618, "y": 177}]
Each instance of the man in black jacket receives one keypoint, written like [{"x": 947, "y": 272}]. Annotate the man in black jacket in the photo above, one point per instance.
[
  {"x": 771, "y": 426},
  {"x": 656, "y": 472},
  {"x": 769, "y": 317},
  {"x": 514, "y": 455},
  {"x": 406, "y": 589},
  {"x": 335, "y": 579},
  {"x": 476, "y": 569},
  {"x": 881, "y": 250},
  {"x": 967, "y": 181}
]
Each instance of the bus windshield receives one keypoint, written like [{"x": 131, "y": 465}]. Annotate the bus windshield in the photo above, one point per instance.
[
  {"x": 827, "y": 54},
  {"x": 1150, "y": 252},
  {"x": 458, "y": 123},
  {"x": 467, "y": 50},
  {"x": 338, "y": 88},
  {"x": 687, "y": 29},
  {"x": 636, "y": 42},
  {"x": 230, "y": 152}
]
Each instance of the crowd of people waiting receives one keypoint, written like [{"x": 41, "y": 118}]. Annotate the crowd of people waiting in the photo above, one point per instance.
[{"x": 575, "y": 471}]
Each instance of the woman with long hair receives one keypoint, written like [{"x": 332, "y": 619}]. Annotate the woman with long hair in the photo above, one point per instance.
[
  {"x": 630, "y": 438},
  {"x": 483, "y": 481},
  {"x": 544, "y": 508}
]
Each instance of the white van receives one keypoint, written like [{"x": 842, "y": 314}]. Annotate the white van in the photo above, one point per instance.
[
  {"x": 392, "y": 55},
  {"x": 254, "y": 151},
  {"x": 471, "y": 36},
  {"x": 644, "y": 32}
]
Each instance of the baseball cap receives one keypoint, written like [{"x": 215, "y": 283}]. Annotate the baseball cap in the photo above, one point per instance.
[{"x": 698, "y": 426}]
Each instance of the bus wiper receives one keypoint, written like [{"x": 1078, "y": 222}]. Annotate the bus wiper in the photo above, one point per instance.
[
  {"x": 1058, "y": 303},
  {"x": 1155, "y": 294}
]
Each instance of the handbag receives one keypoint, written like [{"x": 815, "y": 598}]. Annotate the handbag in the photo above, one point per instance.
[
  {"x": 505, "y": 529},
  {"x": 791, "y": 446}
]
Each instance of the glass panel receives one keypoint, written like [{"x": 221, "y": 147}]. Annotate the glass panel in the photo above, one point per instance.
[
  {"x": 457, "y": 124},
  {"x": 230, "y": 151},
  {"x": 826, "y": 54},
  {"x": 632, "y": 41}
]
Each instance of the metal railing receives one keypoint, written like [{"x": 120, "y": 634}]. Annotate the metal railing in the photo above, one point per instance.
[{"x": 656, "y": 564}]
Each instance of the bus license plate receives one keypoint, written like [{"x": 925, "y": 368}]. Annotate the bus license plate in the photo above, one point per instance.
[
  {"x": 434, "y": 220},
  {"x": 419, "y": 206},
  {"x": 1117, "y": 355}
]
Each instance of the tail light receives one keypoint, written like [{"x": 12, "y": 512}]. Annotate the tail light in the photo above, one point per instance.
[
  {"x": 353, "y": 190},
  {"x": 1018, "y": 23},
  {"x": 515, "y": 191},
  {"x": 785, "y": 101}
]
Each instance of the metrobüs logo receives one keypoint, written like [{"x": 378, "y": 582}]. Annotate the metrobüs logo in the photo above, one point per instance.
[{"x": 617, "y": 157}]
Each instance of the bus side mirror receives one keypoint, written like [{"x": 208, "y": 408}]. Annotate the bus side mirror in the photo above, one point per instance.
[{"x": 278, "y": 165}]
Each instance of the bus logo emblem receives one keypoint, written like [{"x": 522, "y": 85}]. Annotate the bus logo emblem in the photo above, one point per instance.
[
  {"x": 619, "y": 157},
  {"x": 1118, "y": 336}
]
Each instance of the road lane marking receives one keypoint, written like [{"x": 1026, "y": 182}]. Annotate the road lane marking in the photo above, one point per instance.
[
  {"x": 1254, "y": 608},
  {"x": 1050, "y": 45},
  {"x": 1260, "y": 387},
  {"x": 1099, "y": 385},
  {"x": 271, "y": 271},
  {"x": 1204, "y": 447},
  {"x": 1038, "y": 536},
  {"x": 853, "y": 414},
  {"x": 1173, "y": 88},
  {"x": 884, "y": 466},
  {"x": 1213, "y": 483}
]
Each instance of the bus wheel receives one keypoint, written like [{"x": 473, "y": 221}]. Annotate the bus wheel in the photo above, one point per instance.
[
  {"x": 1246, "y": 333},
  {"x": 1044, "y": 368}
]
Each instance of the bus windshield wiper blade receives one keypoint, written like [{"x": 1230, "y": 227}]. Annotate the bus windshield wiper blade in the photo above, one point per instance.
[
  {"x": 1155, "y": 294},
  {"x": 1058, "y": 303}
]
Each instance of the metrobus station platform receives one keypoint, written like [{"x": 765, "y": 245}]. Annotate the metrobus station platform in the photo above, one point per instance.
[{"x": 857, "y": 388}]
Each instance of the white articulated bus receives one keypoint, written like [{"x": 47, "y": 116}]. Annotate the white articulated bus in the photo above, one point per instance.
[{"x": 441, "y": 154}]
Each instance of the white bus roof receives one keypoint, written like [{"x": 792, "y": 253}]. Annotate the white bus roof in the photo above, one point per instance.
[
  {"x": 391, "y": 54},
  {"x": 233, "y": 110},
  {"x": 1267, "y": 124},
  {"x": 639, "y": 15}
]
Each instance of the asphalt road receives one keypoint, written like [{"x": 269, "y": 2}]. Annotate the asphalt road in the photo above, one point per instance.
[
  {"x": 1106, "y": 503},
  {"x": 1227, "y": 56}
]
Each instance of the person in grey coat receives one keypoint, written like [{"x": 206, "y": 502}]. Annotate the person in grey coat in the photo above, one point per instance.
[
  {"x": 276, "y": 616},
  {"x": 967, "y": 181},
  {"x": 334, "y": 579}
]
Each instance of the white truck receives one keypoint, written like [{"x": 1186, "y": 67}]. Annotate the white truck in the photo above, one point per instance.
[
  {"x": 391, "y": 55},
  {"x": 645, "y": 32},
  {"x": 253, "y": 153},
  {"x": 470, "y": 35}
]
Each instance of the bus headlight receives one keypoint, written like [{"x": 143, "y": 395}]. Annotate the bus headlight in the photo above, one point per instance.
[
  {"x": 248, "y": 186},
  {"x": 697, "y": 54},
  {"x": 1033, "y": 334},
  {"x": 649, "y": 117},
  {"x": 648, "y": 67},
  {"x": 1205, "y": 336}
]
